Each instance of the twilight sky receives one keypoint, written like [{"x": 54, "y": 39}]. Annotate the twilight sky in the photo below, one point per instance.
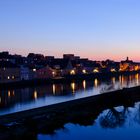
[{"x": 97, "y": 29}]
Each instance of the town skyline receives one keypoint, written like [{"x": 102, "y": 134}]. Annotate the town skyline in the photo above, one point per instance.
[
  {"x": 16, "y": 68},
  {"x": 62, "y": 56},
  {"x": 94, "y": 29}
]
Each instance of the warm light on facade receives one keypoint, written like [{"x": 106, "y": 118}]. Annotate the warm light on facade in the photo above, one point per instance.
[
  {"x": 53, "y": 74},
  {"x": 124, "y": 67},
  {"x": 95, "y": 70},
  {"x": 136, "y": 68},
  {"x": 72, "y": 72},
  {"x": 84, "y": 71}
]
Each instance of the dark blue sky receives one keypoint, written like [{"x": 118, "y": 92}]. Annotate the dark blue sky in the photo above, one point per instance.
[{"x": 97, "y": 29}]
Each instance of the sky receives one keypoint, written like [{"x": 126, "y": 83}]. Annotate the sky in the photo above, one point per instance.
[{"x": 94, "y": 29}]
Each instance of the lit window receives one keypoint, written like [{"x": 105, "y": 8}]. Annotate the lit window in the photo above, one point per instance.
[
  {"x": 72, "y": 72},
  {"x": 84, "y": 71},
  {"x": 13, "y": 77},
  {"x": 34, "y": 70},
  {"x": 95, "y": 70},
  {"x": 53, "y": 72}
]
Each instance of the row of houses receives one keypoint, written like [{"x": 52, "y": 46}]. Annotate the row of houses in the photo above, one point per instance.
[{"x": 40, "y": 67}]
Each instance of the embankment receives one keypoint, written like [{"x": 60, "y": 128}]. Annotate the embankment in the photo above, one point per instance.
[{"x": 64, "y": 79}]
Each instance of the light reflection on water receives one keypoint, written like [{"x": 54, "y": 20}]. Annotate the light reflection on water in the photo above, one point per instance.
[{"x": 26, "y": 98}]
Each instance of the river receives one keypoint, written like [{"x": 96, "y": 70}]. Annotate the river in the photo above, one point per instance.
[{"x": 14, "y": 100}]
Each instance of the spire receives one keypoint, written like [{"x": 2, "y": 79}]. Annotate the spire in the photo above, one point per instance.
[{"x": 127, "y": 58}]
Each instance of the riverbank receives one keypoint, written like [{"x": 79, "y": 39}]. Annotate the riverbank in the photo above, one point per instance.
[
  {"x": 65, "y": 79},
  {"x": 49, "y": 118}
]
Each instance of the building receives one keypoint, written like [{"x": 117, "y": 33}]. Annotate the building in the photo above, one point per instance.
[
  {"x": 68, "y": 56},
  {"x": 9, "y": 72},
  {"x": 126, "y": 65},
  {"x": 61, "y": 66},
  {"x": 45, "y": 73},
  {"x": 5, "y": 56},
  {"x": 27, "y": 73},
  {"x": 49, "y": 58}
]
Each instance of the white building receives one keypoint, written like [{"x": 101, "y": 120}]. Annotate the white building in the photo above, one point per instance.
[{"x": 27, "y": 73}]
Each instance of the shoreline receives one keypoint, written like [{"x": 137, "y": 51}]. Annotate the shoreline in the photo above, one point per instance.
[{"x": 65, "y": 79}]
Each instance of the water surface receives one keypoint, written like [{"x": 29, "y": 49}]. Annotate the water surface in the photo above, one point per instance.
[
  {"x": 18, "y": 99},
  {"x": 117, "y": 123}
]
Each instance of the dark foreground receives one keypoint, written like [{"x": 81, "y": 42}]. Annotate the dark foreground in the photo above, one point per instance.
[{"x": 28, "y": 124}]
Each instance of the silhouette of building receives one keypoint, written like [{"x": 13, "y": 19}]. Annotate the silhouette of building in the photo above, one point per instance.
[{"x": 9, "y": 72}]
